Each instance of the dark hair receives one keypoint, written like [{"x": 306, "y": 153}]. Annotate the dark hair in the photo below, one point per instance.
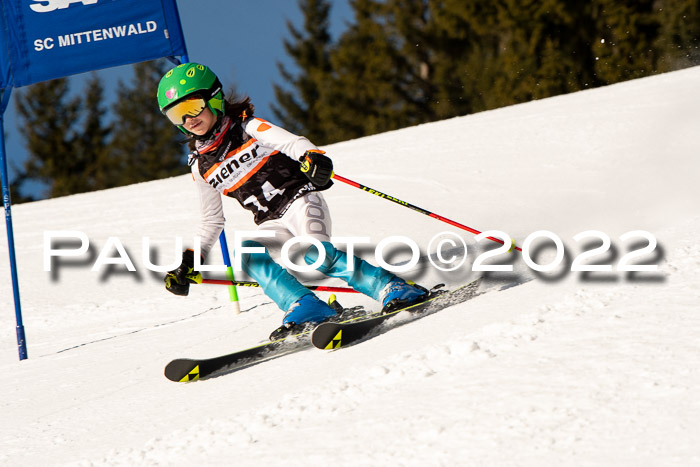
[{"x": 236, "y": 108}]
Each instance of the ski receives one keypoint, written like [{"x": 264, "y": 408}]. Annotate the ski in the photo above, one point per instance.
[
  {"x": 185, "y": 370},
  {"x": 189, "y": 369},
  {"x": 331, "y": 335}
]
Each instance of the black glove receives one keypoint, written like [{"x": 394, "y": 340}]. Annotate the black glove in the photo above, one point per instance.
[
  {"x": 317, "y": 167},
  {"x": 178, "y": 280}
]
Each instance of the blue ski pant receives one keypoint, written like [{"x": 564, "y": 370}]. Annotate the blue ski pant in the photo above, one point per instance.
[
  {"x": 309, "y": 216},
  {"x": 284, "y": 289}
]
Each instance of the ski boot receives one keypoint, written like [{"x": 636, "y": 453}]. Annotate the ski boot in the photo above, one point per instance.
[
  {"x": 398, "y": 293},
  {"x": 303, "y": 313}
]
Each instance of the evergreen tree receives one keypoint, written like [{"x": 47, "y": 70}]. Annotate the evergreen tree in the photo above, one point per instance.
[
  {"x": 298, "y": 110},
  {"x": 679, "y": 37},
  {"x": 403, "y": 62},
  {"x": 46, "y": 120},
  {"x": 92, "y": 139},
  {"x": 545, "y": 50},
  {"x": 465, "y": 48},
  {"x": 408, "y": 23},
  {"x": 368, "y": 92},
  {"x": 628, "y": 31},
  {"x": 145, "y": 145}
]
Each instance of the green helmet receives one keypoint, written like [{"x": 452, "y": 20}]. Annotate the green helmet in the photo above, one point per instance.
[{"x": 187, "y": 79}]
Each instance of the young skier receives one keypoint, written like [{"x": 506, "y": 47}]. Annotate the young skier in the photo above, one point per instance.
[{"x": 278, "y": 177}]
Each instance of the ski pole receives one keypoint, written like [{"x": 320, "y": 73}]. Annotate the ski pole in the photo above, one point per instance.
[
  {"x": 317, "y": 288},
  {"x": 415, "y": 208}
]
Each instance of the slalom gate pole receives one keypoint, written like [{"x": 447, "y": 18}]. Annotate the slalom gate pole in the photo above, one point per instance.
[
  {"x": 7, "y": 203},
  {"x": 415, "y": 208},
  {"x": 232, "y": 292},
  {"x": 317, "y": 288}
]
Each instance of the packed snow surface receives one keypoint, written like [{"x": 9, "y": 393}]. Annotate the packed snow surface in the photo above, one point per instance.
[{"x": 552, "y": 368}]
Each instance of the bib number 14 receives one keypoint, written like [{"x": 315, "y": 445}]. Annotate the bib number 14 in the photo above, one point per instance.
[{"x": 269, "y": 192}]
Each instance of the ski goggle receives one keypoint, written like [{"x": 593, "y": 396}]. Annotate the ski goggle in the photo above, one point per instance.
[{"x": 187, "y": 108}]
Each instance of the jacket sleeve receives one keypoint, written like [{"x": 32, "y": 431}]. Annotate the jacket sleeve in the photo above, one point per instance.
[
  {"x": 278, "y": 138},
  {"x": 212, "y": 213}
]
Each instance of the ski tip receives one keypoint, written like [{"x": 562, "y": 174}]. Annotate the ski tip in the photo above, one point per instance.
[
  {"x": 327, "y": 336},
  {"x": 182, "y": 371}
]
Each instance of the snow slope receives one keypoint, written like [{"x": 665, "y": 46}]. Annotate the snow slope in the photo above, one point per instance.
[{"x": 565, "y": 368}]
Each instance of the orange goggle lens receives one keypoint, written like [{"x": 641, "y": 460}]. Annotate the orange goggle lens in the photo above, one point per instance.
[{"x": 186, "y": 108}]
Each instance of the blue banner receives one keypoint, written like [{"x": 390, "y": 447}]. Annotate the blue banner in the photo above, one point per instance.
[{"x": 46, "y": 39}]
